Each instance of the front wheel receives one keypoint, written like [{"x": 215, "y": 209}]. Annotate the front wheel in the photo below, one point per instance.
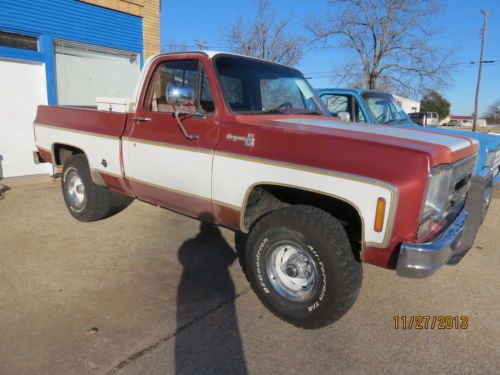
[{"x": 301, "y": 266}]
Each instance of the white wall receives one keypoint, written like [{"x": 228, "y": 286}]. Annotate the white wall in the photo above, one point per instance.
[
  {"x": 22, "y": 89},
  {"x": 408, "y": 105}
]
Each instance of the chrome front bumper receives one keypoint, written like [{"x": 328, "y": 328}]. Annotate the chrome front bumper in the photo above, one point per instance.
[{"x": 419, "y": 260}]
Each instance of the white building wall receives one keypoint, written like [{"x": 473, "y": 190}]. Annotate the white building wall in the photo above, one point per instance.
[{"x": 408, "y": 105}]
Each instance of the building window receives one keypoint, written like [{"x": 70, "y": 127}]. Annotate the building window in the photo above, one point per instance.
[
  {"x": 85, "y": 72},
  {"x": 18, "y": 41}
]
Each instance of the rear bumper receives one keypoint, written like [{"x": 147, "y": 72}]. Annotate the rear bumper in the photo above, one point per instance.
[
  {"x": 37, "y": 158},
  {"x": 419, "y": 260}
]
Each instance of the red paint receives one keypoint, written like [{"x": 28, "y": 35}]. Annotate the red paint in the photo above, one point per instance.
[
  {"x": 175, "y": 201},
  {"x": 99, "y": 122},
  {"x": 113, "y": 182},
  {"x": 402, "y": 163},
  {"x": 226, "y": 216}
]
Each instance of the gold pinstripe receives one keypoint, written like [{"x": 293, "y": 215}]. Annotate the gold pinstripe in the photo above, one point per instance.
[
  {"x": 100, "y": 135},
  {"x": 392, "y": 190}
]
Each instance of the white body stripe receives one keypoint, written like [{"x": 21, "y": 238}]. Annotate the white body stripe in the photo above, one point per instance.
[
  {"x": 177, "y": 169},
  {"x": 452, "y": 142},
  {"x": 232, "y": 177},
  {"x": 95, "y": 147},
  {"x": 223, "y": 177}
]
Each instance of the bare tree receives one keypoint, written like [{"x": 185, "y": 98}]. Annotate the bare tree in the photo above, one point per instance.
[
  {"x": 492, "y": 115},
  {"x": 388, "y": 43},
  {"x": 265, "y": 37},
  {"x": 174, "y": 46}
]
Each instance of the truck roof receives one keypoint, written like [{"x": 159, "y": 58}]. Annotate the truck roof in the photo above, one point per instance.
[{"x": 212, "y": 53}]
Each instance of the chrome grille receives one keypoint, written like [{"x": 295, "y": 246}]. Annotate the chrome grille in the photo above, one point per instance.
[{"x": 460, "y": 180}]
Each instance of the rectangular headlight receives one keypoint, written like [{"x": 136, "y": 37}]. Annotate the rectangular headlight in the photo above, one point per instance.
[{"x": 438, "y": 190}]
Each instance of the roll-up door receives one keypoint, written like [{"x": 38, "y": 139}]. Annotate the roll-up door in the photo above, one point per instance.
[
  {"x": 84, "y": 72},
  {"x": 23, "y": 88}
]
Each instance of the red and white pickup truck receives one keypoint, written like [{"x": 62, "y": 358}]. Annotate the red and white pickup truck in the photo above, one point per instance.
[{"x": 245, "y": 144}]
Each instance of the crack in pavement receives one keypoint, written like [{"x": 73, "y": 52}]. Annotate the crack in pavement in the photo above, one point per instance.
[{"x": 133, "y": 357}]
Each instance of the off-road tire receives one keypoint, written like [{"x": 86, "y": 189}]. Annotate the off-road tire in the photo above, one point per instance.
[
  {"x": 97, "y": 199},
  {"x": 323, "y": 237}
]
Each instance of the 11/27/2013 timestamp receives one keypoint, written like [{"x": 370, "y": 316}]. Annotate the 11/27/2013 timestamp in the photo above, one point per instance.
[{"x": 431, "y": 322}]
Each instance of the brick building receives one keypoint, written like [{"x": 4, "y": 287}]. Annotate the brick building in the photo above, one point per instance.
[{"x": 66, "y": 52}]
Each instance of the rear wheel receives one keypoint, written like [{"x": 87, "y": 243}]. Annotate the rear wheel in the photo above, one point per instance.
[
  {"x": 85, "y": 200},
  {"x": 301, "y": 266}
]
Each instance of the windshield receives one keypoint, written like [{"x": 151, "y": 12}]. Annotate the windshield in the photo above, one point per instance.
[
  {"x": 256, "y": 87},
  {"x": 384, "y": 109}
]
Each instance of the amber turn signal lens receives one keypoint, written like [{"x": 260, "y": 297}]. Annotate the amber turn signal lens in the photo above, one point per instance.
[{"x": 379, "y": 215}]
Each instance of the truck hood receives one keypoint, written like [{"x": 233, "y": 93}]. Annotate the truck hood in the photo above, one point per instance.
[
  {"x": 442, "y": 148},
  {"x": 487, "y": 142}
]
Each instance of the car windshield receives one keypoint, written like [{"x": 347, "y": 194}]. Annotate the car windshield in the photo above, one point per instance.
[
  {"x": 257, "y": 87},
  {"x": 384, "y": 109}
]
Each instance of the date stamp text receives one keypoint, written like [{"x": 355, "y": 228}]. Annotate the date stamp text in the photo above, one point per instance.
[{"x": 431, "y": 322}]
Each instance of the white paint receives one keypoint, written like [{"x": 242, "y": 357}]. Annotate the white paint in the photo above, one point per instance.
[
  {"x": 177, "y": 169},
  {"x": 452, "y": 142},
  {"x": 23, "y": 88},
  {"x": 232, "y": 177},
  {"x": 95, "y": 147}
]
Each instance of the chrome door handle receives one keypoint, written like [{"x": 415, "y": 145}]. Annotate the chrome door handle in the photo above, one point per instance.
[{"x": 141, "y": 119}]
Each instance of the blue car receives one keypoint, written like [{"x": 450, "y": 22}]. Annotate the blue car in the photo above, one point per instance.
[{"x": 373, "y": 107}]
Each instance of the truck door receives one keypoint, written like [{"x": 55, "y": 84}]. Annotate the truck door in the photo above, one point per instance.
[{"x": 169, "y": 143}]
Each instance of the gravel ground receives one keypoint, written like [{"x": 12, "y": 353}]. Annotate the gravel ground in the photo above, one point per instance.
[{"x": 152, "y": 292}]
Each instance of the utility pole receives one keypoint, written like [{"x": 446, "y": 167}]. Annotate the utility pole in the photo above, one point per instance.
[
  {"x": 484, "y": 12},
  {"x": 495, "y": 115}
]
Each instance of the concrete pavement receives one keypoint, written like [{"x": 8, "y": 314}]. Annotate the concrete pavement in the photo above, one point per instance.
[{"x": 152, "y": 292}]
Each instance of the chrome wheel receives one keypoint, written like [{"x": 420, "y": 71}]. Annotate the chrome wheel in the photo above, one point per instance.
[
  {"x": 292, "y": 272},
  {"x": 75, "y": 190}
]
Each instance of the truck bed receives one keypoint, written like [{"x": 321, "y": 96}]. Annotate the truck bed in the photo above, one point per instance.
[{"x": 96, "y": 132}]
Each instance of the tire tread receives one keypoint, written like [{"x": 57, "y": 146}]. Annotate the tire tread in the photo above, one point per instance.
[{"x": 333, "y": 232}]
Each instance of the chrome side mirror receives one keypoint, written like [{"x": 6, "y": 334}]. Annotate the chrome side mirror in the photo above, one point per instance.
[
  {"x": 344, "y": 116},
  {"x": 180, "y": 95}
]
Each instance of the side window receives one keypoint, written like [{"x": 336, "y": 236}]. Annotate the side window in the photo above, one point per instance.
[
  {"x": 183, "y": 73},
  {"x": 336, "y": 103}
]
